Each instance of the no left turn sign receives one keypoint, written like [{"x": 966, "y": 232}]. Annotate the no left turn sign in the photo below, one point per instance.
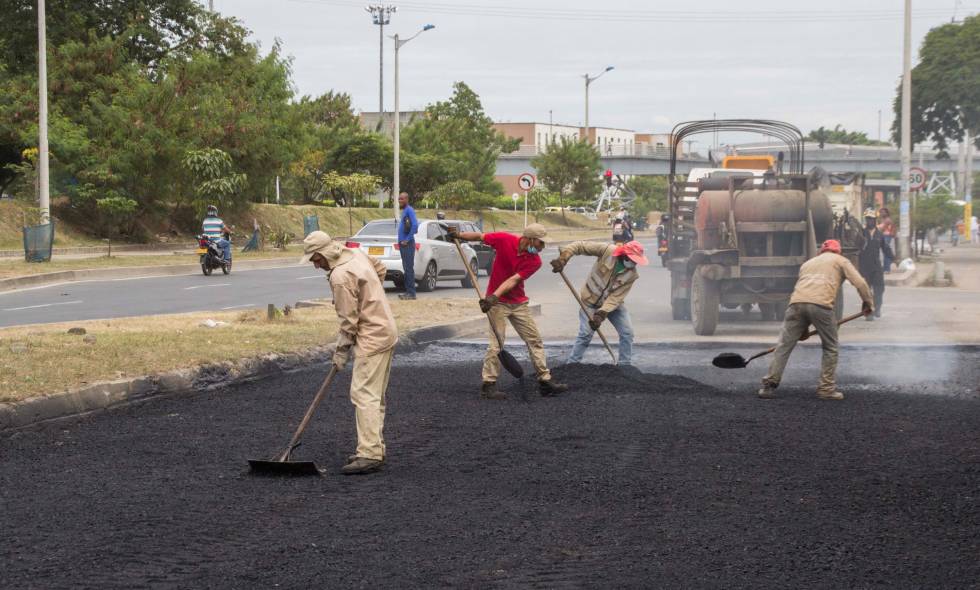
[{"x": 526, "y": 181}]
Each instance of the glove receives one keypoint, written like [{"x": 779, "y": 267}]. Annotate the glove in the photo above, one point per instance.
[
  {"x": 597, "y": 319},
  {"x": 490, "y": 301},
  {"x": 453, "y": 231},
  {"x": 867, "y": 308},
  {"x": 558, "y": 265},
  {"x": 340, "y": 357}
]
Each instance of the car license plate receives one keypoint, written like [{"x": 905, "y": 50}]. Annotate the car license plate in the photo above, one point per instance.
[{"x": 376, "y": 250}]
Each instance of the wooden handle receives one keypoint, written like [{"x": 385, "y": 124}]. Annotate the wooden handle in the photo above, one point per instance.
[
  {"x": 309, "y": 413},
  {"x": 476, "y": 286},
  {"x": 810, "y": 333},
  {"x": 586, "y": 312}
]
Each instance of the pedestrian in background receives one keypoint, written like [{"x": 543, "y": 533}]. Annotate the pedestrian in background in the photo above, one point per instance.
[
  {"x": 974, "y": 230},
  {"x": 605, "y": 291},
  {"x": 407, "y": 226},
  {"x": 367, "y": 327},
  {"x": 515, "y": 260},
  {"x": 887, "y": 227},
  {"x": 870, "y": 261},
  {"x": 812, "y": 304}
]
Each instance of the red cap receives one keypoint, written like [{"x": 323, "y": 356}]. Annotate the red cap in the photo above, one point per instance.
[
  {"x": 830, "y": 246},
  {"x": 634, "y": 250}
]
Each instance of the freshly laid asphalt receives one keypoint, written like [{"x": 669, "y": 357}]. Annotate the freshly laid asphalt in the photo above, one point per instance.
[{"x": 630, "y": 480}]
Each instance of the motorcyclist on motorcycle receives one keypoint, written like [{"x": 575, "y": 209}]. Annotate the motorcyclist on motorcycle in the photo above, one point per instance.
[{"x": 215, "y": 229}]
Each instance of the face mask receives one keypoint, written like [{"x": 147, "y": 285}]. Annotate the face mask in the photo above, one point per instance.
[
  {"x": 532, "y": 250},
  {"x": 628, "y": 263}
]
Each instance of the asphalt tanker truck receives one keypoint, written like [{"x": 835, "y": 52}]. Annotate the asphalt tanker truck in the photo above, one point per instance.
[{"x": 738, "y": 240}]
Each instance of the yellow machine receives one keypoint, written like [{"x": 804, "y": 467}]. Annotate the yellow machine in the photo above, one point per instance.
[{"x": 762, "y": 162}]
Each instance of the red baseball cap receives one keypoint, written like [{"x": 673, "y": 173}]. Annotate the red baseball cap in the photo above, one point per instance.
[
  {"x": 634, "y": 250},
  {"x": 830, "y": 246}
]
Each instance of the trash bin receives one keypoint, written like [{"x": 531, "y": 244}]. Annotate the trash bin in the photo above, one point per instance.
[
  {"x": 311, "y": 223},
  {"x": 38, "y": 241}
]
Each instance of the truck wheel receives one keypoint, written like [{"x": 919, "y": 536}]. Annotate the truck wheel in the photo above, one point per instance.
[
  {"x": 704, "y": 305},
  {"x": 680, "y": 309}
]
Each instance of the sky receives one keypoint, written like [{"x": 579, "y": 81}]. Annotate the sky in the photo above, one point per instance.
[{"x": 808, "y": 63}]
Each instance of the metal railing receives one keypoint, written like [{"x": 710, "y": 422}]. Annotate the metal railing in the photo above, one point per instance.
[{"x": 610, "y": 150}]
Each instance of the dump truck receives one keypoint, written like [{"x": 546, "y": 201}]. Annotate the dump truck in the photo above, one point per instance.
[{"x": 739, "y": 240}]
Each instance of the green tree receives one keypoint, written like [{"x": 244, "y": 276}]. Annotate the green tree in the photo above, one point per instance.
[
  {"x": 214, "y": 176},
  {"x": 945, "y": 86},
  {"x": 460, "y": 135},
  {"x": 570, "y": 168},
  {"x": 651, "y": 195},
  {"x": 838, "y": 134},
  {"x": 935, "y": 212},
  {"x": 461, "y": 194}
]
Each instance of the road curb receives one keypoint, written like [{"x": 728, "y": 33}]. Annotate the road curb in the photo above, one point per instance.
[
  {"x": 95, "y": 274},
  {"x": 113, "y": 394}
]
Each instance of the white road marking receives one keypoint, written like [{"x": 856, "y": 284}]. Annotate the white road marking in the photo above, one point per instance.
[
  {"x": 237, "y": 306},
  {"x": 43, "y": 305},
  {"x": 207, "y": 286},
  {"x": 323, "y": 276}
]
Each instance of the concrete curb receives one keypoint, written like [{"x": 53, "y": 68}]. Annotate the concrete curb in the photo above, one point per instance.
[
  {"x": 95, "y": 274},
  {"x": 113, "y": 394}
]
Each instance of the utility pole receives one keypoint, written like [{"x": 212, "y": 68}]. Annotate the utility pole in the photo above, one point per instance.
[
  {"x": 879, "y": 125},
  {"x": 903, "y": 243},
  {"x": 381, "y": 16},
  {"x": 396, "y": 169},
  {"x": 968, "y": 184},
  {"x": 44, "y": 195},
  {"x": 211, "y": 5}
]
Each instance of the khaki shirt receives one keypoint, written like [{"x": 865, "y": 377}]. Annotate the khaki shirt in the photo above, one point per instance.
[
  {"x": 604, "y": 289},
  {"x": 821, "y": 278},
  {"x": 362, "y": 308}
]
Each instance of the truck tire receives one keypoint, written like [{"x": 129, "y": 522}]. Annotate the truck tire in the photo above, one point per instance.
[
  {"x": 680, "y": 309},
  {"x": 705, "y": 297}
]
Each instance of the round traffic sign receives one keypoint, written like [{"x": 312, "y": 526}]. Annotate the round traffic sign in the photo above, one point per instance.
[
  {"x": 917, "y": 179},
  {"x": 526, "y": 181}
]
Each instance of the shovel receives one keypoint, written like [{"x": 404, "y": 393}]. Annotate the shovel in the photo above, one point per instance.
[
  {"x": 731, "y": 360},
  {"x": 506, "y": 359},
  {"x": 282, "y": 465},
  {"x": 586, "y": 312}
]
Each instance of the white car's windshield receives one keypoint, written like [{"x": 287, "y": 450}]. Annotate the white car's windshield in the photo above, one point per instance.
[{"x": 388, "y": 227}]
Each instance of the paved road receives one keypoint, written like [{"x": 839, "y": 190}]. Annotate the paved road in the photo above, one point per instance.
[{"x": 911, "y": 315}]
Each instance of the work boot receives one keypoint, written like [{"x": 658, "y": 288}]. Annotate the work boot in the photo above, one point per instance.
[
  {"x": 830, "y": 395},
  {"x": 766, "y": 392},
  {"x": 549, "y": 388},
  {"x": 361, "y": 465},
  {"x": 352, "y": 458},
  {"x": 489, "y": 391}
]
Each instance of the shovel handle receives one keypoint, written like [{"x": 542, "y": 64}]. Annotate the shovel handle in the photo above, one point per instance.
[
  {"x": 309, "y": 414},
  {"x": 808, "y": 334},
  {"x": 586, "y": 312},
  {"x": 476, "y": 287}
]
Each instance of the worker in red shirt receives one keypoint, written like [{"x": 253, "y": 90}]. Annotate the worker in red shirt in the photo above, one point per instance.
[{"x": 515, "y": 261}]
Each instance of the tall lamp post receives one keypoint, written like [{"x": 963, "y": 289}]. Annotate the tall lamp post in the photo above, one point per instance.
[
  {"x": 44, "y": 201},
  {"x": 905, "y": 223},
  {"x": 589, "y": 80},
  {"x": 396, "y": 184},
  {"x": 381, "y": 15}
]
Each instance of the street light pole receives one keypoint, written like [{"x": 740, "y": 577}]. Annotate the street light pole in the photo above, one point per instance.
[
  {"x": 589, "y": 80},
  {"x": 44, "y": 196},
  {"x": 381, "y": 16},
  {"x": 904, "y": 246},
  {"x": 396, "y": 173}
]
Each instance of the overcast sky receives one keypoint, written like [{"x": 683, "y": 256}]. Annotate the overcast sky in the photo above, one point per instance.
[{"x": 674, "y": 60}]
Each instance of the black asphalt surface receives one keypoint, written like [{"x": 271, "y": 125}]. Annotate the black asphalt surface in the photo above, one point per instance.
[{"x": 630, "y": 480}]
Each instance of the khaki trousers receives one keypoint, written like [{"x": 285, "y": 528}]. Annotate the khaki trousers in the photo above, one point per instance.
[
  {"x": 368, "y": 387},
  {"x": 799, "y": 317},
  {"x": 520, "y": 317}
]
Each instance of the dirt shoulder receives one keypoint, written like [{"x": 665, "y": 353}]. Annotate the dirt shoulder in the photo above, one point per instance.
[{"x": 46, "y": 359}]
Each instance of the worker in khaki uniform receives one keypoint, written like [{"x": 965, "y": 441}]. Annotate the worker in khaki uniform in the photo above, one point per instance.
[
  {"x": 604, "y": 293},
  {"x": 515, "y": 260},
  {"x": 366, "y": 326},
  {"x": 812, "y": 304}
]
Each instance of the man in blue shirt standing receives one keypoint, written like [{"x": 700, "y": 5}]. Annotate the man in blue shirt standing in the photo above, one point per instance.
[{"x": 407, "y": 226}]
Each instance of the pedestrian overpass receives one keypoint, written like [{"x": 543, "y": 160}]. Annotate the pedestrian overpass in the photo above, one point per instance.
[{"x": 642, "y": 160}]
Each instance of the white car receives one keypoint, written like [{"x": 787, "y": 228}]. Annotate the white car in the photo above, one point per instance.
[{"x": 436, "y": 257}]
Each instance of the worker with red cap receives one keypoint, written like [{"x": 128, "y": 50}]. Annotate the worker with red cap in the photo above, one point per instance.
[
  {"x": 604, "y": 293},
  {"x": 812, "y": 304}
]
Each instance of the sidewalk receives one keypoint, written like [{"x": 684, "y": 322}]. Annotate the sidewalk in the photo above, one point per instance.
[{"x": 964, "y": 262}]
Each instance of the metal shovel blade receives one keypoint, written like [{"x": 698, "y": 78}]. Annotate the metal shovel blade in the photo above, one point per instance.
[
  {"x": 283, "y": 468},
  {"x": 729, "y": 360},
  {"x": 510, "y": 364}
]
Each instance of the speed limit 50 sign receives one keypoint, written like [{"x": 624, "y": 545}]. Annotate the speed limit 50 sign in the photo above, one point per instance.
[{"x": 526, "y": 181}]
